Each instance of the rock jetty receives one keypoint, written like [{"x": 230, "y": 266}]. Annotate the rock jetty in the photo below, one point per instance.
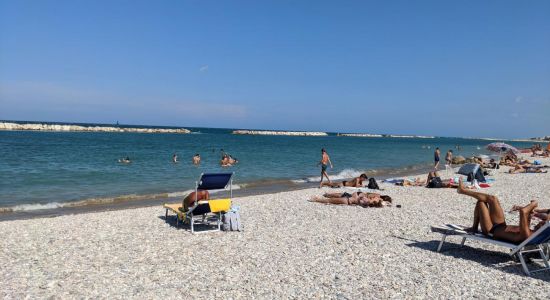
[
  {"x": 385, "y": 135},
  {"x": 268, "y": 132},
  {"x": 69, "y": 127},
  {"x": 360, "y": 134}
]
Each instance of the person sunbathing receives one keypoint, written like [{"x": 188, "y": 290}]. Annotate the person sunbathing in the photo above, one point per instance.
[
  {"x": 488, "y": 215},
  {"x": 361, "y": 199},
  {"x": 410, "y": 182},
  {"x": 434, "y": 181},
  {"x": 355, "y": 182},
  {"x": 530, "y": 169},
  {"x": 189, "y": 200}
]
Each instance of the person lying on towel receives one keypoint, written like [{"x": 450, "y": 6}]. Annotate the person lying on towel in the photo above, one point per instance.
[
  {"x": 358, "y": 198},
  {"x": 488, "y": 215},
  {"x": 355, "y": 182},
  {"x": 531, "y": 169}
]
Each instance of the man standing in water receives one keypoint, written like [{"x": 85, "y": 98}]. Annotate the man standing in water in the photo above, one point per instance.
[
  {"x": 449, "y": 158},
  {"x": 437, "y": 155},
  {"x": 325, "y": 161}
]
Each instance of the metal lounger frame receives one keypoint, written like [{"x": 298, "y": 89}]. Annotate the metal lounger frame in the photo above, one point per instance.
[
  {"x": 516, "y": 250},
  {"x": 192, "y": 218}
]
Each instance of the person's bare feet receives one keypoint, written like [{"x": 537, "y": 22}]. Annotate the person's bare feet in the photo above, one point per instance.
[
  {"x": 313, "y": 199},
  {"x": 460, "y": 189},
  {"x": 515, "y": 208},
  {"x": 529, "y": 207}
]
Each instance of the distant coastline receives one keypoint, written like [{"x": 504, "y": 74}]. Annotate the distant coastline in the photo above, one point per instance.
[{"x": 78, "y": 128}]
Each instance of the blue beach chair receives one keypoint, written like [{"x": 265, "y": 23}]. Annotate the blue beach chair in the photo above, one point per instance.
[
  {"x": 201, "y": 210},
  {"x": 539, "y": 242}
]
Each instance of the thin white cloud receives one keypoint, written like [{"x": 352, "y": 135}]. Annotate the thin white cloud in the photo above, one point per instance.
[
  {"x": 519, "y": 99},
  {"x": 204, "y": 69}
]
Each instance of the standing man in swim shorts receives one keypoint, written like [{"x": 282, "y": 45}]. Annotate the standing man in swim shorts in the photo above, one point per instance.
[
  {"x": 449, "y": 158},
  {"x": 437, "y": 155},
  {"x": 325, "y": 161}
]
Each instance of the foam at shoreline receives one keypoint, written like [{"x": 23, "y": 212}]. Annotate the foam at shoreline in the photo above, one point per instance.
[{"x": 100, "y": 201}]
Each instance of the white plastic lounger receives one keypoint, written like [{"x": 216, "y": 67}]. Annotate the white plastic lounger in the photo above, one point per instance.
[{"x": 538, "y": 242}]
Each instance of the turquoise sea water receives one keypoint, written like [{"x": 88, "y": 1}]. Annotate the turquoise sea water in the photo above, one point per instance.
[{"x": 48, "y": 169}]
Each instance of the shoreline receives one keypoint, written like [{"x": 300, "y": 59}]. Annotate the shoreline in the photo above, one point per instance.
[
  {"x": 250, "y": 189},
  {"x": 289, "y": 248}
]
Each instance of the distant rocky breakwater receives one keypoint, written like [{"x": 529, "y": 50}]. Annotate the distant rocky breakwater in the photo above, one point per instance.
[
  {"x": 268, "y": 132},
  {"x": 69, "y": 127},
  {"x": 385, "y": 135}
]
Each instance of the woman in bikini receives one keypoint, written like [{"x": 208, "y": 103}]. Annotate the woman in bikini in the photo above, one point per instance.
[
  {"x": 355, "y": 182},
  {"x": 361, "y": 199},
  {"x": 488, "y": 215}
]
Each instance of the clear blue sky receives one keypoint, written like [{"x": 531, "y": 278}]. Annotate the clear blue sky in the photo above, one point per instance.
[{"x": 448, "y": 68}]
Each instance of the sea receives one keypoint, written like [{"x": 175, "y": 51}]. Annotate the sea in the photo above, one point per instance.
[{"x": 49, "y": 170}]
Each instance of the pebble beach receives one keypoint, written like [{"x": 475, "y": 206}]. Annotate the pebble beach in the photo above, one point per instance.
[{"x": 290, "y": 248}]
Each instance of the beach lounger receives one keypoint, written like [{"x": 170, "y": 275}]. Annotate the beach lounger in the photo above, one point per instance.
[
  {"x": 538, "y": 242},
  {"x": 200, "y": 212}
]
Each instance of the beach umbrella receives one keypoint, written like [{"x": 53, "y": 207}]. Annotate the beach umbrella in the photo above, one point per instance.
[{"x": 501, "y": 148}]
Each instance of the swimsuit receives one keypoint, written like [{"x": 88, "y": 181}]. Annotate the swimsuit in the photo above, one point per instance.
[
  {"x": 346, "y": 195},
  {"x": 323, "y": 167},
  {"x": 495, "y": 228}
]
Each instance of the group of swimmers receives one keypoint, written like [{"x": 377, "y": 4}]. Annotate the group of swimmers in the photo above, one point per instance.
[
  {"x": 196, "y": 159},
  {"x": 226, "y": 161}
]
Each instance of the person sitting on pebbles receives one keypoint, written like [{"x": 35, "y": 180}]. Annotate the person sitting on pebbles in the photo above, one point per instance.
[
  {"x": 357, "y": 198},
  {"x": 355, "y": 182},
  {"x": 488, "y": 215}
]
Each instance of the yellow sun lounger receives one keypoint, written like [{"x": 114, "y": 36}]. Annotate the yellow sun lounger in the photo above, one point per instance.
[{"x": 202, "y": 208}]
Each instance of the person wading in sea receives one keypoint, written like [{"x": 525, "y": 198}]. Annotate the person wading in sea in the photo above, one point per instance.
[
  {"x": 325, "y": 161},
  {"x": 437, "y": 155}
]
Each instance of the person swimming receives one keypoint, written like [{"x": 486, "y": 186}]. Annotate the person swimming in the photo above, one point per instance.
[
  {"x": 125, "y": 160},
  {"x": 197, "y": 159}
]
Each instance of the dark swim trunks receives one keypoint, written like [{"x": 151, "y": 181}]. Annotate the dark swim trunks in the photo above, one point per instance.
[
  {"x": 323, "y": 167},
  {"x": 495, "y": 228}
]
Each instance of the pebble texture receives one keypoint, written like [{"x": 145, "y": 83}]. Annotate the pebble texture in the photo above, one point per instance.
[{"x": 290, "y": 248}]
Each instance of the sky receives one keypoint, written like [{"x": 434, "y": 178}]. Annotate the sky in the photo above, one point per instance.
[{"x": 444, "y": 68}]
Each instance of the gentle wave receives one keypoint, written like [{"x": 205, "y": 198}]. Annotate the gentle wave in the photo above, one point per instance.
[
  {"x": 106, "y": 200},
  {"x": 344, "y": 174}
]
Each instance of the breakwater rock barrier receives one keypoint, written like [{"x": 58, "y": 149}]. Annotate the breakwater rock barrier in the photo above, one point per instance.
[{"x": 70, "y": 127}]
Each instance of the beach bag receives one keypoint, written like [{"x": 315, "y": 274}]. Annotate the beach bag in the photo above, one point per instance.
[
  {"x": 435, "y": 183},
  {"x": 231, "y": 221},
  {"x": 373, "y": 185}
]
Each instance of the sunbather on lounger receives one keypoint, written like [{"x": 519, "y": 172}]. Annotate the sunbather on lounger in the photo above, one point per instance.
[
  {"x": 190, "y": 199},
  {"x": 361, "y": 199},
  {"x": 355, "y": 182},
  {"x": 489, "y": 215}
]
